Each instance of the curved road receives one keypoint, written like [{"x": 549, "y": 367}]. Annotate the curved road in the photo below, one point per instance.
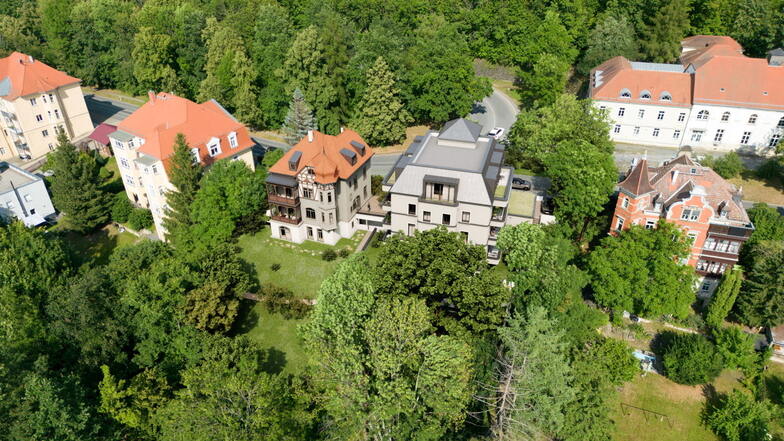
[{"x": 496, "y": 110}]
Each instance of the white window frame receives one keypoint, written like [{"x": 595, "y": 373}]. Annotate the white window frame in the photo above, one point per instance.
[
  {"x": 753, "y": 118},
  {"x": 617, "y": 128},
  {"x": 39, "y": 118},
  {"x": 636, "y": 130},
  {"x": 621, "y": 111},
  {"x": 660, "y": 116},
  {"x": 744, "y": 140},
  {"x": 124, "y": 163},
  {"x": 641, "y": 113},
  {"x": 655, "y": 132},
  {"x": 725, "y": 116},
  {"x": 214, "y": 144},
  {"x": 676, "y": 134},
  {"x": 719, "y": 135},
  {"x": 195, "y": 155},
  {"x": 33, "y": 102},
  {"x": 233, "y": 140}
]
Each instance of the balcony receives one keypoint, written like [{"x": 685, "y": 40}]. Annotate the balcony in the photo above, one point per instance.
[
  {"x": 283, "y": 200},
  {"x": 287, "y": 219}
]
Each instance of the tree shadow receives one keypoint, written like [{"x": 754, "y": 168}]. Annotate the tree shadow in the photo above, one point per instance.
[
  {"x": 100, "y": 110},
  {"x": 247, "y": 318},
  {"x": 775, "y": 389},
  {"x": 478, "y": 108},
  {"x": 274, "y": 362}
]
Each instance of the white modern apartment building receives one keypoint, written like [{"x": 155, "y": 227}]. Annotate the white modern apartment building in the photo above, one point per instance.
[
  {"x": 23, "y": 196},
  {"x": 145, "y": 140},
  {"x": 714, "y": 99},
  {"x": 38, "y": 101}
]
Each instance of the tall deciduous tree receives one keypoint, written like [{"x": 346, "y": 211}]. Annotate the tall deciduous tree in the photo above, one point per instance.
[
  {"x": 151, "y": 60},
  {"x": 299, "y": 120},
  {"x": 724, "y": 298},
  {"x": 185, "y": 175},
  {"x": 272, "y": 37},
  {"x": 223, "y": 44},
  {"x": 75, "y": 187},
  {"x": 768, "y": 225},
  {"x": 244, "y": 98},
  {"x": 380, "y": 116},
  {"x": 534, "y": 378},
  {"x": 613, "y": 36},
  {"x": 544, "y": 82},
  {"x": 639, "y": 271},
  {"x": 664, "y": 30},
  {"x": 761, "y": 299},
  {"x": 738, "y": 417}
]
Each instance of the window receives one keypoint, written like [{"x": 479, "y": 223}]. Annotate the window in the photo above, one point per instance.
[
  {"x": 10, "y": 205},
  {"x": 446, "y": 219},
  {"x": 619, "y": 224},
  {"x": 781, "y": 123},
  {"x": 124, "y": 163},
  {"x": 51, "y": 147},
  {"x": 734, "y": 247},
  {"x": 745, "y": 138},
  {"x": 310, "y": 232},
  {"x": 665, "y": 96},
  {"x": 753, "y": 118},
  {"x": 676, "y": 134},
  {"x": 696, "y": 135},
  {"x": 649, "y": 224},
  {"x": 32, "y": 211},
  {"x": 719, "y": 135},
  {"x": 774, "y": 140},
  {"x": 703, "y": 114},
  {"x": 329, "y": 196},
  {"x": 621, "y": 111},
  {"x": 617, "y": 128},
  {"x": 32, "y": 101},
  {"x": 320, "y": 234},
  {"x": 27, "y": 198},
  {"x": 43, "y": 98},
  {"x": 693, "y": 235},
  {"x": 637, "y": 130},
  {"x": 625, "y": 203},
  {"x": 722, "y": 246},
  {"x": 130, "y": 144},
  {"x": 310, "y": 213},
  {"x": 411, "y": 210},
  {"x": 655, "y": 132},
  {"x": 45, "y": 133},
  {"x": 660, "y": 115},
  {"x": 426, "y": 216},
  {"x": 39, "y": 117},
  {"x": 681, "y": 117},
  {"x": 331, "y": 217},
  {"x": 725, "y": 116},
  {"x": 640, "y": 113},
  {"x": 690, "y": 214},
  {"x": 214, "y": 149},
  {"x": 710, "y": 243},
  {"x": 645, "y": 95},
  {"x": 195, "y": 154},
  {"x": 602, "y": 107},
  {"x": 625, "y": 93},
  {"x": 466, "y": 215},
  {"x": 438, "y": 189},
  {"x": 51, "y": 97},
  {"x": 56, "y": 114},
  {"x": 129, "y": 181},
  {"x": 49, "y": 113},
  {"x": 155, "y": 169},
  {"x": 702, "y": 266},
  {"x": 307, "y": 193},
  {"x": 233, "y": 140}
]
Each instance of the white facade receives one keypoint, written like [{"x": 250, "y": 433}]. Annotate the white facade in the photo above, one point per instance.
[{"x": 23, "y": 195}]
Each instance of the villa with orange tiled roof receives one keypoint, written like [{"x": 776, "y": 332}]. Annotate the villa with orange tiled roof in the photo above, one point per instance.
[
  {"x": 317, "y": 189},
  {"x": 708, "y": 209},
  {"x": 38, "y": 101},
  {"x": 715, "y": 98},
  {"x": 144, "y": 142}
]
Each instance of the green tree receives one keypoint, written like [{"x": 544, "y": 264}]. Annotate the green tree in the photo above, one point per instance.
[
  {"x": 691, "y": 359},
  {"x": 768, "y": 225},
  {"x": 724, "y": 298},
  {"x": 189, "y": 48},
  {"x": 121, "y": 208},
  {"x": 223, "y": 45},
  {"x": 245, "y": 93},
  {"x": 152, "y": 60},
  {"x": 75, "y": 187},
  {"x": 272, "y": 37},
  {"x": 754, "y": 26},
  {"x": 185, "y": 175},
  {"x": 613, "y": 36},
  {"x": 133, "y": 403},
  {"x": 57, "y": 30},
  {"x": 380, "y": 116},
  {"x": 544, "y": 82},
  {"x": 638, "y": 271},
  {"x": 761, "y": 298},
  {"x": 664, "y": 30},
  {"x": 450, "y": 274},
  {"x": 299, "y": 120},
  {"x": 534, "y": 381},
  {"x": 737, "y": 417},
  {"x": 727, "y": 166},
  {"x": 735, "y": 347}
]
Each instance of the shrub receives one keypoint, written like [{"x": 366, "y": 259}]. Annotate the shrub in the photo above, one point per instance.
[
  {"x": 104, "y": 174},
  {"x": 275, "y": 266},
  {"x": 375, "y": 242},
  {"x": 282, "y": 301},
  {"x": 691, "y": 359},
  {"x": 121, "y": 208},
  {"x": 375, "y": 184},
  {"x": 771, "y": 169},
  {"x": 140, "y": 219},
  {"x": 735, "y": 347},
  {"x": 344, "y": 253},
  {"x": 329, "y": 255},
  {"x": 738, "y": 416}
]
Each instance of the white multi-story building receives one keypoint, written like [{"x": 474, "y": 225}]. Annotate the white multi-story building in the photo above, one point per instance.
[
  {"x": 714, "y": 99},
  {"x": 23, "y": 196},
  {"x": 145, "y": 140}
]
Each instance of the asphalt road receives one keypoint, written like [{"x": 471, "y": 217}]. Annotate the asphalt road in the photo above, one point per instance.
[{"x": 105, "y": 110}]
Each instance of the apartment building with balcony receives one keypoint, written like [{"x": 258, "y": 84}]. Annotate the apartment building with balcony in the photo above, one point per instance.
[
  {"x": 715, "y": 98},
  {"x": 144, "y": 142},
  {"x": 317, "y": 188},
  {"x": 38, "y": 101},
  {"x": 455, "y": 178},
  {"x": 708, "y": 209}
]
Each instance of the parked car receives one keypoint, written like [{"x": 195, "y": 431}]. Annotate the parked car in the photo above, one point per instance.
[
  {"x": 520, "y": 184},
  {"x": 548, "y": 207},
  {"x": 496, "y": 133}
]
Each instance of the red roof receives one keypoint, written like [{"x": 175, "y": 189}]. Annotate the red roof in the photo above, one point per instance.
[
  {"x": 102, "y": 132},
  {"x": 323, "y": 154},
  {"x": 27, "y": 76},
  {"x": 165, "y": 115}
]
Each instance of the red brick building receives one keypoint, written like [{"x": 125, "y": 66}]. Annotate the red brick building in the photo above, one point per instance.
[{"x": 683, "y": 192}]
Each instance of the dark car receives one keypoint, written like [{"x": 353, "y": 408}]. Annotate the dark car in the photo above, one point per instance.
[
  {"x": 520, "y": 184},
  {"x": 548, "y": 206}
]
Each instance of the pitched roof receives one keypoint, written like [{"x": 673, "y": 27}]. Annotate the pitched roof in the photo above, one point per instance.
[
  {"x": 329, "y": 156},
  {"x": 638, "y": 182},
  {"x": 22, "y": 75},
  {"x": 165, "y": 115},
  {"x": 460, "y": 129},
  {"x": 618, "y": 74},
  {"x": 102, "y": 132}
]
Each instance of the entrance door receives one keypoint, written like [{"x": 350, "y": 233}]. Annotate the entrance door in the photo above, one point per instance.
[{"x": 284, "y": 233}]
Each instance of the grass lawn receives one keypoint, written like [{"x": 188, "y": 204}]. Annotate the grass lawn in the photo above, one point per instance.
[
  {"x": 274, "y": 333},
  {"x": 759, "y": 190},
  {"x": 411, "y": 133},
  {"x": 301, "y": 267},
  {"x": 97, "y": 246},
  {"x": 526, "y": 171}
]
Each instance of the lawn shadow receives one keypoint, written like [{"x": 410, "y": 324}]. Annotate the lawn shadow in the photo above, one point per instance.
[
  {"x": 247, "y": 318},
  {"x": 95, "y": 247},
  {"x": 775, "y": 389},
  {"x": 275, "y": 361}
]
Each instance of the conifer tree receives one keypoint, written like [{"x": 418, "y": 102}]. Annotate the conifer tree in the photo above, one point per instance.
[
  {"x": 299, "y": 119},
  {"x": 245, "y": 99},
  {"x": 724, "y": 297},
  {"x": 380, "y": 116},
  {"x": 184, "y": 175},
  {"x": 661, "y": 38},
  {"x": 75, "y": 187}
]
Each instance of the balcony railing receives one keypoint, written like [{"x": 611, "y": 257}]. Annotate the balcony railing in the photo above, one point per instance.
[
  {"x": 288, "y": 220},
  {"x": 284, "y": 200}
]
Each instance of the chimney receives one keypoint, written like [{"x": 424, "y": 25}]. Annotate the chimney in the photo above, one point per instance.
[
  {"x": 341, "y": 129},
  {"x": 30, "y": 59},
  {"x": 674, "y": 176},
  {"x": 151, "y": 94},
  {"x": 310, "y": 135}
]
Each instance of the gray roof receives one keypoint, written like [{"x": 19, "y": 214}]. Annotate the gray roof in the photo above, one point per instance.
[
  {"x": 146, "y": 160},
  {"x": 471, "y": 189},
  {"x": 121, "y": 136},
  {"x": 657, "y": 67},
  {"x": 278, "y": 179},
  {"x": 5, "y": 86},
  {"x": 461, "y": 129},
  {"x": 12, "y": 176},
  {"x": 432, "y": 153},
  {"x": 777, "y": 52}
]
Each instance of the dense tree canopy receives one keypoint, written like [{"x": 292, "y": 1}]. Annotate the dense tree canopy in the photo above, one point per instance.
[{"x": 761, "y": 299}]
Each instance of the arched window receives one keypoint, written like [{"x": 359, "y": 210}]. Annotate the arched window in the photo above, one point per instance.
[
  {"x": 665, "y": 96},
  {"x": 753, "y": 118},
  {"x": 781, "y": 123},
  {"x": 626, "y": 93},
  {"x": 645, "y": 95},
  {"x": 703, "y": 114},
  {"x": 725, "y": 116},
  {"x": 310, "y": 213}
]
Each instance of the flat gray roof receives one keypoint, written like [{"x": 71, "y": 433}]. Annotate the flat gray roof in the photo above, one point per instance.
[
  {"x": 121, "y": 136},
  {"x": 146, "y": 160},
  {"x": 10, "y": 174},
  {"x": 435, "y": 154}
]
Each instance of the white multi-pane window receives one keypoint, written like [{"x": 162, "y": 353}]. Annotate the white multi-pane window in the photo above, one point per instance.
[
  {"x": 719, "y": 135},
  {"x": 660, "y": 115},
  {"x": 655, "y": 132},
  {"x": 124, "y": 163},
  {"x": 676, "y": 134},
  {"x": 753, "y": 118},
  {"x": 774, "y": 140},
  {"x": 637, "y": 130},
  {"x": 233, "y": 140},
  {"x": 690, "y": 214},
  {"x": 681, "y": 117},
  {"x": 725, "y": 116},
  {"x": 703, "y": 114},
  {"x": 621, "y": 111},
  {"x": 745, "y": 138},
  {"x": 617, "y": 128},
  {"x": 640, "y": 113}
]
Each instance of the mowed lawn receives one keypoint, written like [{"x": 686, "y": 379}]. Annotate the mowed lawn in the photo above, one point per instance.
[
  {"x": 276, "y": 334},
  {"x": 96, "y": 246}
]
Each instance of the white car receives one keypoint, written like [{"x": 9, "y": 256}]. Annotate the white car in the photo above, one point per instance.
[{"x": 496, "y": 133}]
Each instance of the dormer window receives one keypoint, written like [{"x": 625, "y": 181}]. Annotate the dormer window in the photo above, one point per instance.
[
  {"x": 214, "y": 147},
  {"x": 359, "y": 147},
  {"x": 703, "y": 114},
  {"x": 294, "y": 160},
  {"x": 233, "y": 140},
  {"x": 645, "y": 95},
  {"x": 350, "y": 156},
  {"x": 665, "y": 96},
  {"x": 195, "y": 154},
  {"x": 625, "y": 93}
]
